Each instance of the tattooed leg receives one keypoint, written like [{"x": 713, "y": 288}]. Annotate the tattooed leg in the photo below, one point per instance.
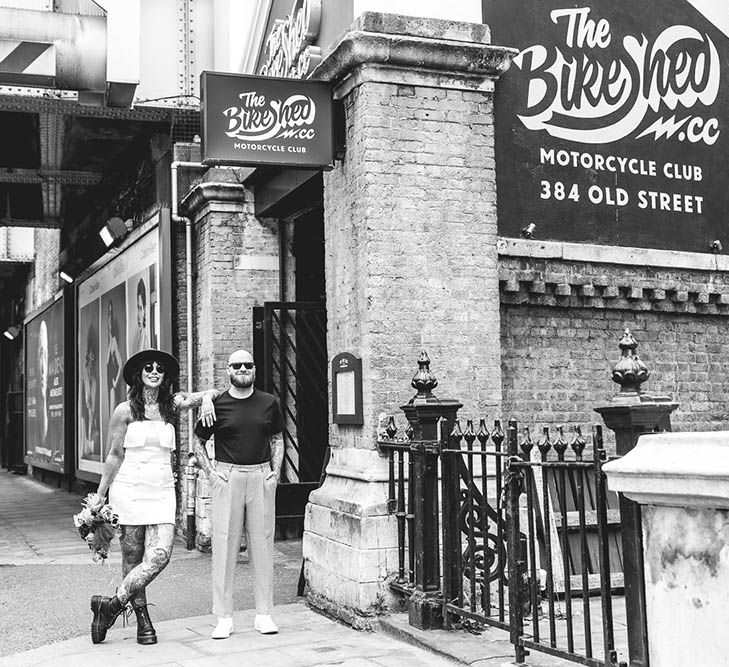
[
  {"x": 132, "y": 552},
  {"x": 157, "y": 551}
]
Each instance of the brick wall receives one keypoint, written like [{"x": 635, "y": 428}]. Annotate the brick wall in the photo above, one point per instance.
[
  {"x": 560, "y": 327},
  {"x": 411, "y": 246}
]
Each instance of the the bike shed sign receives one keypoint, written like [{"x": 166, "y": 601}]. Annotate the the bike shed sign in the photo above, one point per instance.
[
  {"x": 611, "y": 121},
  {"x": 254, "y": 120}
]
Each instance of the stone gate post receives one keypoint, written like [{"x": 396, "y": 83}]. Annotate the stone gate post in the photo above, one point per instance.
[
  {"x": 630, "y": 413},
  {"x": 411, "y": 263}
]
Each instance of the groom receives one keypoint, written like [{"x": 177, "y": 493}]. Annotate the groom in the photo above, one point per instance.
[{"x": 249, "y": 452}]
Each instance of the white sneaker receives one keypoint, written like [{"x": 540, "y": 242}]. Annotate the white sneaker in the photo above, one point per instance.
[
  {"x": 223, "y": 628},
  {"x": 265, "y": 625}
]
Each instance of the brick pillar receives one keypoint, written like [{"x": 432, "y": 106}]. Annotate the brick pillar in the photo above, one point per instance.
[
  {"x": 411, "y": 263},
  {"x": 235, "y": 260}
]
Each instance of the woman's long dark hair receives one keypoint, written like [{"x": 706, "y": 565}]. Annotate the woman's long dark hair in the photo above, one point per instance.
[{"x": 166, "y": 398}]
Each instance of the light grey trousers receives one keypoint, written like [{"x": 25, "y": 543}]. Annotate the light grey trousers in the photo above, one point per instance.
[{"x": 244, "y": 501}]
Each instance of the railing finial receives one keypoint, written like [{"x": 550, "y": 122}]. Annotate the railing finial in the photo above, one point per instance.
[
  {"x": 424, "y": 381},
  {"x": 629, "y": 371}
]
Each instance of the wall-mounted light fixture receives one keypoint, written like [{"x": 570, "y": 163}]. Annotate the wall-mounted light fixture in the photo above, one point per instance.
[
  {"x": 716, "y": 247},
  {"x": 113, "y": 230},
  {"x": 11, "y": 333},
  {"x": 65, "y": 276},
  {"x": 528, "y": 231}
]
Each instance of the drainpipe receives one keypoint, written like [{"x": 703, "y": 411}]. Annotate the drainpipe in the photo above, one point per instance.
[
  {"x": 190, "y": 488},
  {"x": 176, "y": 218},
  {"x": 188, "y": 319}
]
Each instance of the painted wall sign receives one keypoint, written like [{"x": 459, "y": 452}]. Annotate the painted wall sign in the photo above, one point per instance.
[
  {"x": 289, "y": 50},
  {"x": 44, "y": 388},
  {"x": 611, "y": 122},
  {"x": 252, "y": 120}
]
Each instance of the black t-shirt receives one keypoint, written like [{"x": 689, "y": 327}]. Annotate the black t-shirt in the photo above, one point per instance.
[{"x": 243, "y": 427}]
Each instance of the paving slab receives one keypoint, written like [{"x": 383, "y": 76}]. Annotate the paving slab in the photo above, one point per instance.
[{"x": 305, "y": 639}]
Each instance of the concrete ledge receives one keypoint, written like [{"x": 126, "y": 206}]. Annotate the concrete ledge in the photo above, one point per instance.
[
  {"x": 675, "y": 470},
  {"x": 606, "y": 254}
]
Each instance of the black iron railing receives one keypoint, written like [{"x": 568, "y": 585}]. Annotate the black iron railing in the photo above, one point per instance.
[
  {"x": 566, "y": 541},
  {"x": 529, "y": 538}
]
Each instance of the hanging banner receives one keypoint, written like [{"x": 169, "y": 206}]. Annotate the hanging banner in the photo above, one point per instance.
[
  {"x": 118, "y": 314},
  {"x": 44, "y": 388},
  {"x": 611, "y": 121},
  {"x": 254, "y": 120}
]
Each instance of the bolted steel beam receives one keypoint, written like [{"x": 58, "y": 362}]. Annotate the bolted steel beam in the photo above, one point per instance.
[{"x": 43, "y": 176}]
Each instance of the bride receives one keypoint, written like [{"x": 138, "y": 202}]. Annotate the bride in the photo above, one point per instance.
[{"x": 138, "y": 475}]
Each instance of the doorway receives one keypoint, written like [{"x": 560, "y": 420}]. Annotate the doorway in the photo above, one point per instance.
[{"x": 291, "y": 349}]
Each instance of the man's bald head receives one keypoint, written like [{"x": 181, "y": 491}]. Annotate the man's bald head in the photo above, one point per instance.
[
  {"x": 240, "y": 356},
  {"x": 241, "y": 370}
]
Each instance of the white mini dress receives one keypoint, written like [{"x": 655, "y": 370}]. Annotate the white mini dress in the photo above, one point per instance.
[{"x": 143, "y": 491}]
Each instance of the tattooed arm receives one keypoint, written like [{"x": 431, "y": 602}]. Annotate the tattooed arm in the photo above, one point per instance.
[
  {"x": 204, "y": 460},
  {"x": 277, "y": 454},
  {"x": 120, "y": 419},
  {"x": 185, "y": 401}
]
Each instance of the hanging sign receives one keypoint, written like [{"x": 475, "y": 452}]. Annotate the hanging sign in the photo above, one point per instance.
[
  {"x": 253, "y": 120},
  {"x": 611, "y": 122}
]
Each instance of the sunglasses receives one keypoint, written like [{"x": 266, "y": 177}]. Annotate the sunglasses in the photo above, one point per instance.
[
  {"x": 236, "y": 365},
  {"x": 149, "y": 367}
]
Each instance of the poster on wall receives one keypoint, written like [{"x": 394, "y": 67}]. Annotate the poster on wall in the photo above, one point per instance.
[
  {"x": 118, "y": 315},
  {"x": 611, "y": 121},
  {"x": 44, "y": 388}
]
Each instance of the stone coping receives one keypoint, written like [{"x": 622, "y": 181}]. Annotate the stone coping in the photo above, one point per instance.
[
  {"x": 674, "y": 470},
  {"x": 207, "y": 192},
  {"x": 433, "y": 45},
  {"x": 608, "y": 254}
]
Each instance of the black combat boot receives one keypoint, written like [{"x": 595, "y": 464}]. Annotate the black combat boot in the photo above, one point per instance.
[
  {"x": 145, "y": 629},
  {"x": 106, "y": 610}
]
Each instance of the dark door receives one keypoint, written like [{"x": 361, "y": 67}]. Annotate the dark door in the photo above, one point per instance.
[{"x": 295, "y": 371}]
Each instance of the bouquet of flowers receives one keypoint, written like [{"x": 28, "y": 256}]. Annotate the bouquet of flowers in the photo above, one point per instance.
[{"x": 97, "y": 523}]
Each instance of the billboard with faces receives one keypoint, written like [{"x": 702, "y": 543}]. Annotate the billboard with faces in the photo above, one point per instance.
[
  {"x": 611, "y": 121},
  {"x": 119, "y": 314},
  {"x": 44, "y": 388}
]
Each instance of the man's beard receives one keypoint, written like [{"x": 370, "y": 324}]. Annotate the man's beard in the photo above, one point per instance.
[{"x": 241, "y": 382}]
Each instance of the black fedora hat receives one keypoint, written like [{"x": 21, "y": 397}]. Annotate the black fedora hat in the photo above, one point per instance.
[{"x": 136, "y": 361}]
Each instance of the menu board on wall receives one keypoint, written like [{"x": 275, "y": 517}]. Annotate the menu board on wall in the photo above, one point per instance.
[
  {"x": 611, "y": 121},
  {"x": 44, "y": 388},
  {"x": 118, "y": 314}
]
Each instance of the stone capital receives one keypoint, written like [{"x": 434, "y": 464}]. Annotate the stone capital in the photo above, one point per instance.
[
  {"x": 414, "y": 44},
  {"x": 210, "y": 193}
]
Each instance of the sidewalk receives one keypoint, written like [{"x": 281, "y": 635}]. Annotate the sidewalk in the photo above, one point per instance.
[
  {"x": 46, "y": 579},
  {"x": 305, "y": 639}
]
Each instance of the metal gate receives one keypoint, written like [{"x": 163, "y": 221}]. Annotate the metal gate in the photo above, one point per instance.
[{"x": 294, "y": 362}]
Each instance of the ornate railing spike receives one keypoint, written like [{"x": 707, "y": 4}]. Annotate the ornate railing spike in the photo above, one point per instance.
[
  {"x": 424, "y": 381},
  {"x": 629, "y": 371}
]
